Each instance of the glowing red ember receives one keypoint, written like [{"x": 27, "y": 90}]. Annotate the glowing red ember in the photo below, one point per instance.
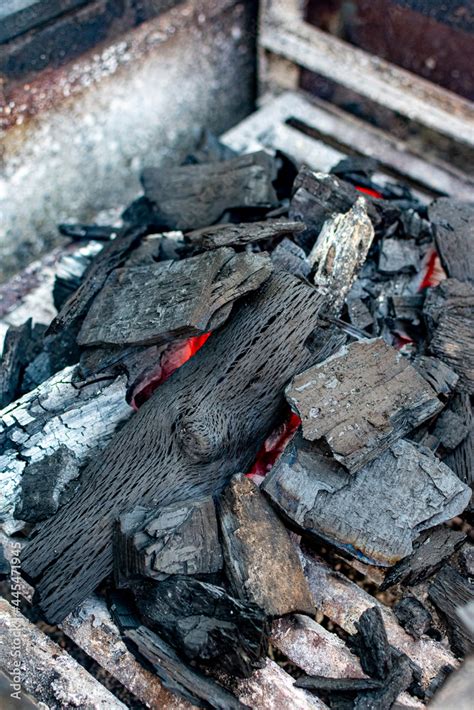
[
  {"x": 273, "y": 447},
  {"x": 369, "y": 191},
  {"x": 433, "y": 272}
]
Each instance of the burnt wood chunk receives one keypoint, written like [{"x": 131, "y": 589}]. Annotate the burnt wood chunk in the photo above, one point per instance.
[
  {"x": 292, "y": 258},
  {"x": 454, "y": 235},
  {"x": 224, "y": 235},
  {"x": 371, "y": 644},
  {"x": 340, "y": 250},
  {"x": 398, "y": 679},
  {"x": 159, "y": 302},
  {"x": 111, "y": 257},
  {"x": 195, "y": 196},
  {"x": 318, "y": 196},
  {"x": 399, "y": 256},
  {"x": 449, "y": 591},
  {"x": 204, "y": 424},
  {"x": 449, "y": 311},
  {"x": 461, "y": 459},
  {"x": 361, "y": 400},
  {"x": 176, "y": 539},
  {"x": 177, "y": 676},
  {"x": 80, "y": 232},
  {"x": 441, "y": 377},
  {"x": 205, "y": 624},
  {"x": 430, "y": 550},
  {"x": 16, "y": 355},
  {"x": 344, "y": 685},
  {"x": 261, "y": 562},
  {"x": 374, "y": 514},
  {"x": 413, "y": 616}
]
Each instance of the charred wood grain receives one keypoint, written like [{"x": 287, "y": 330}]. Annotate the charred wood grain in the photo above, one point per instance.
[
  {"x": 430, "y": 550},
  {"x": 202, "y": 426},
  {"x": 449, "y": 591},
  {"x": 439, "y": 375},
  {"x": 454, "y": 234},
  {"x": 261, "y": 562},
  {"x": 153, "y": 304},
  {"x": 194, "y": 196},
  {"x": 361, "y": 400},
  {"x": 224, "y": 235}
]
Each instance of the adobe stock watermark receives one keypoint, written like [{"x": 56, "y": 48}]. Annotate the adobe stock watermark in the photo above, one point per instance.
[{"x": 14, "y": 653}]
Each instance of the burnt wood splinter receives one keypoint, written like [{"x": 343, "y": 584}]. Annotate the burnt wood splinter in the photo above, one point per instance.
[{"x": 203, "y": 425}]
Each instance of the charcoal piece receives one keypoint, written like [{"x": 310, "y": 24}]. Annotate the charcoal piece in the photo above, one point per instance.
[
  {"x": 461, "y": 459},
  {"x": 449, "y": 591},
  {"x": 209, "y": 150},
  {"x": 57, "y": 352},
  {"x": 194, "y": 196},
  {"x": 16, "y": 355},
  {"x": 406, "y": 307},
  {"x": 449, "y": 311},
  {"x": 143, "y": 212},
  {"x": 374, "y": 514},
  {"x": 204, "y": 623},
  {"x": 439, "y": 375},
  {"x": 204, "y": 424},
  {"x": 45, "y": 484},
  {"x": 176, "y": 539},
  {"x": 413, "y": 616},
  {"x": 359, "y": 314},
  {"x": 162, "y": 301},
  {"x": 177, "y": 676},
  {"x": 4, "y": 564},
  {"x": 430, "y": 550},
  {"x": 454, "y": 235},
  {"x": 122, "y": 609},
  {"x": 361, "y": 400},
  {"x": 224, "y": 235},
  {"x": 399, "y": 256},
  {"x": 261, "y": 562},
  {"x": 290, "y": 257},
  {"x": 466, "y": 560},
  {"x": 371, "y": 644},
  {"x": 317, "y": 196},
  {"x": 352, "y": 166},
  {"x": 136, "y": 362},
  {"x": 112, "y": 256},
  {"x": 344, "y": 685},
  {"x": 81, "y": 232},
  {"x": 340, "y": 250},
  {"x": 398, "y": 679},
  {"x": 451, "y": 429}
]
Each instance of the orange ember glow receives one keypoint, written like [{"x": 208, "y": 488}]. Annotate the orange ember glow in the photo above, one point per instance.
[
  {"x": 369, "y": 191},
  {"x": 433, "y": 271},
  {"x": 273, "y": 447},
  {"x": 173, "y": 358}
]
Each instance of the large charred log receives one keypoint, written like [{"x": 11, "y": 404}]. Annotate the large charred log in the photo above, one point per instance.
[{"x": 205, "y": 424}]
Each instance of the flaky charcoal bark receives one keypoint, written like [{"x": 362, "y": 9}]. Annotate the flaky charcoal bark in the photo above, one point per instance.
[
  {"x": 16, "y": 355},
  {"x": 204, "y": 623},
  {"x": 261, "y": 562},
  {"x": 177, "y": 539},
  {"x": 361, "y": 400},
  {"x": 340, "y": 250},
  {"x": 195, "y": 196},
  {"x": 449, "y": 591},
  {"x": 317, "y": 196},
  {"x": 449, "y": 310},
  {"x": 178, "y": 676},
  {"x": 454, "y": 234},
  {"x": 202, "y": 426},
  {"x": 111, "y": 257},
  {"x": 153, "y": 304},
  {"x": 399, "y": 255},
  {"x": 223, "y": 235},
  {"x": 413, "y": 616},
  {"x": 374, "y": 514},
  {"x": 430, "y": 550}
]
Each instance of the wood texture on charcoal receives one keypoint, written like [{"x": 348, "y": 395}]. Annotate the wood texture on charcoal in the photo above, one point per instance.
[
  {"x": 223, "y": 235},
  {"x": 439, "y": 375},
  {"x": 430, "y": 550},
  {"x": 340, "y": 250},
  {"x": 179, "y": 677},
  {"x": 111, "y": 257},
  {"x": 58, "y": 415},
  {"x": 448, "y": 591},
  {"x": 203, "y": 425},
  {"x": 373, "y": 514},
  {"x": 195, "y": 196},
  {"x": 176, "y": 539},
  {"x": 458, "y": 691},
  {"x": 318, "y": 196},
  {"x": 158, "y": 302},
  {"x": 361, "y": 400},
  {"x": 343, "y": 602},
  {"x": 261, "y": 562},
  {"x": 449, "y": 310},
  {"x": 204, "y": 623},
  {"x": 454, "y": 235}
]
